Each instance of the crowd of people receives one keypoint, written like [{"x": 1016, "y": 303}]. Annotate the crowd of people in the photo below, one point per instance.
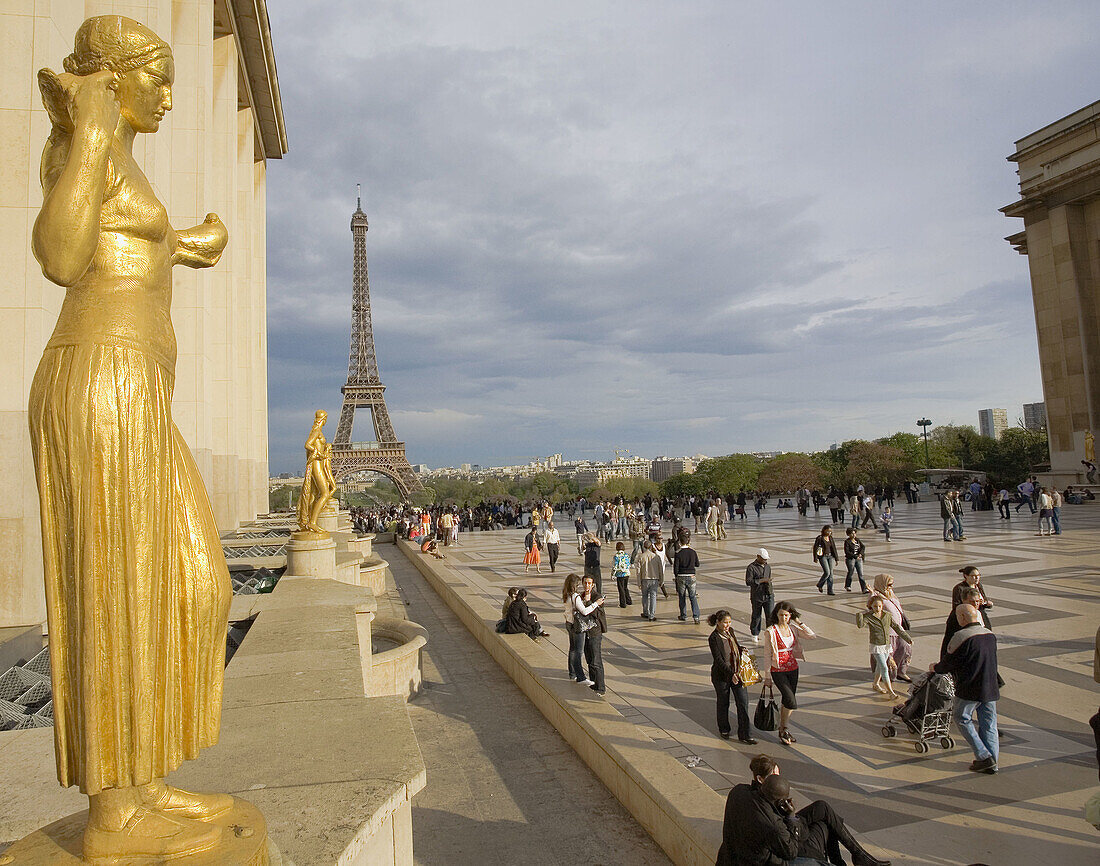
[{"x": 642, "y": 557}]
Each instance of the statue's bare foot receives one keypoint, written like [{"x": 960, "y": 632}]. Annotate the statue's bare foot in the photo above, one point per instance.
[
  {"x": 148, "y": 833},
  {"x": 178, "y": 803}
]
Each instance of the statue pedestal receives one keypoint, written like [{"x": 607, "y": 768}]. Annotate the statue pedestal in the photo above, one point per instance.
[
  {"x": 310, "y": 554},
  {"x": 243, "y": 842}
]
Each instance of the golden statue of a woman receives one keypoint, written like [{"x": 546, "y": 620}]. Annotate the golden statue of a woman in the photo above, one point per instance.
[
  {"x": 137, "y": 590},
  {"x": 318, "y": 485}
]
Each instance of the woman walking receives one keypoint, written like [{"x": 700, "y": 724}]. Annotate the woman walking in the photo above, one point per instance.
[
  {"x": 785, "y": 649},
  {"x": 725, "y": 675},
  {"x": 900, "y": 651},
  {"x": 879, "y": 623},
  {"x": 592, "y": 560},
  {"x": 620, "y": 570},
  {"x": 825, "y": 555},
  {"x": 969, "y": 590},
  {"x": 532, "y": 556},
  {"x": 855, "y": 552}
]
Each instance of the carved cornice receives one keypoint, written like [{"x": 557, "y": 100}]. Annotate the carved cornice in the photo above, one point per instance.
[{"x": 258, "y": 80}]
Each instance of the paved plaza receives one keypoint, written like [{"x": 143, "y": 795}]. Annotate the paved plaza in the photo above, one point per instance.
[{"x": 920, "y": 808}]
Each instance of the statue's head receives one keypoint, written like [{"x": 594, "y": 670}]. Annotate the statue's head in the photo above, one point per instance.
[
  {"x": 320, "y": 417},
  {"x": 141, "y": 61}
]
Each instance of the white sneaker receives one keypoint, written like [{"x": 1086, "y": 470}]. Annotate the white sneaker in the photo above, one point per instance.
[
  {"x": 586, "y": 683},
  {"x": 756, "y": 638}
]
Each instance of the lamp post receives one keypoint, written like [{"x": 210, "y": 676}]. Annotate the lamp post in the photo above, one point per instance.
[{"x": 924, "y": 424}]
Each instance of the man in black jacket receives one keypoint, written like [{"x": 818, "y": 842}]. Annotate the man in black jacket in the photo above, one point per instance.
[
  {"x": 760, "y": 827},
  {"x": 758, "y": 577},
  {"x": 972, "y": 660},
  {"x": 825, "y": 829}
]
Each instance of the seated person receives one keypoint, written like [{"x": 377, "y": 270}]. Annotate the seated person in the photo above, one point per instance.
[
  {"x": 429, "y": 545},
  {"x": 1072, "y": 497},
  {"x": 755, "y": 831},
  {"x": 520, "y": 620},
  {"x": 825, "y": 830}
]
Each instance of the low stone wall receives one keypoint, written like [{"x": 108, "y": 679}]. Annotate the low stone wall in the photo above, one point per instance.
[
  {"x": 395, "y": 671},
  {"x": 681, "y": 812},
  {"x": 332, "y": 770}
]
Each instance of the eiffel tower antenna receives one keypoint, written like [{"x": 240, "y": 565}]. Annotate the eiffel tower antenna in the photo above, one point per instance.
[{"x": 364, "y": 388}]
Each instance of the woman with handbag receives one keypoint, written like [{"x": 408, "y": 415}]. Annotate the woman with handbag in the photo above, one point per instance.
[
  {"x": 785, "y": 649},
  {"x": 900, "y": 651},
  {"x": 825, "y": 555},
  {"x": 730, "y": 671},
  {"x": 589, "y": 618}
]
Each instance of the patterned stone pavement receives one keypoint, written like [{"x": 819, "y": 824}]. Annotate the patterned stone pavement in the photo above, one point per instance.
[{"x": 922, "y": 808}]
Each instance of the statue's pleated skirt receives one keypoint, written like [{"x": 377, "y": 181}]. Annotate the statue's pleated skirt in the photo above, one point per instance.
[{"x": 137, "y": 590}]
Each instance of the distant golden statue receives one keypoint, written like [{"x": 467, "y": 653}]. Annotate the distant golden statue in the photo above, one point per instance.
[
  {"x": 137, "y": 590},
  {"x": 1090, "y": 446},
  {"x": 318, "y": 485}
]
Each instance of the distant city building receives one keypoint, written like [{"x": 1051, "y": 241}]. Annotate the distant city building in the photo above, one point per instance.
[
  {"x": 421, "y": 468},
  {"x": 596, "y": 474},
  {"x": 465, "y": 467},
  {"x": 553, "y": 461},
  {"x": 992, "y": 422},
  {"x": 663, "y": 468},
  {"x": 1035, "y": 416}
]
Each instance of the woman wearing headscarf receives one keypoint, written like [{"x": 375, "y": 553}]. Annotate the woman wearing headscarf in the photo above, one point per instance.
[{"x": 900, "y": 651}]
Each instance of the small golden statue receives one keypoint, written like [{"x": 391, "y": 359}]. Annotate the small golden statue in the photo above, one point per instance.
[
  {"x": 318, "y": 485},
  {"x": 137, "y": 590}
]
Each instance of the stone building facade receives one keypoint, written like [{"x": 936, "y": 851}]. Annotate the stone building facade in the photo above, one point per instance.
[
  {"x": 1059, "y": 169},
  {"x": 209, "y": 155}
]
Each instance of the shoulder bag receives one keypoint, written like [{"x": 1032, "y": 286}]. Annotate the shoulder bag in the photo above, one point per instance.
[{"x": 766, "y": 717}]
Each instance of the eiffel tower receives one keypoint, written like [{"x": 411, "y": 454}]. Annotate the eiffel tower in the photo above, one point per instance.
[{"x": 364, "y": 389}]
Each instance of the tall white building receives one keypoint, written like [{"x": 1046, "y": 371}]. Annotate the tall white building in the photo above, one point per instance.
[{"x": 992, "y": 422}]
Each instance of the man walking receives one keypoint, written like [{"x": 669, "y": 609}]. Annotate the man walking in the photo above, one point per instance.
[
  {"x": 947, "y": 514},
  {"x": 684, "y": 565},
  {"x": 972, "y": 660},
  {"x": 650, "y": 571},
  {"x": 758, "y": 577}
]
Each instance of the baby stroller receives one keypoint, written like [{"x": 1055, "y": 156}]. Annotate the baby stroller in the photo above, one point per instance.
[{"x": 926, "y": 712}]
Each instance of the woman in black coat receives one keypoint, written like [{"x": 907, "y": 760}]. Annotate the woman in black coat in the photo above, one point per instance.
[
  {"x": 520, "y": 620},
  {"x": 725, "y": 676},
  {"x": 826, "y": 556}
]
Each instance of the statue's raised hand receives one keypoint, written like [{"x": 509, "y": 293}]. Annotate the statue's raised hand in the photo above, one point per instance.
[{"x": 95, "y": 104}]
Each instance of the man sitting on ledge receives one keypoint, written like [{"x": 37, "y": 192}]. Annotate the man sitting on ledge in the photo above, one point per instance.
[{"x": 761, "y": 827}]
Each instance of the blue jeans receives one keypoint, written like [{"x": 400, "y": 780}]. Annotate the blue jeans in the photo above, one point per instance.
[
  {"x": 649, "y": 598},
  {"x": 957, "y": 520},
  {"x": 826, "y": 563},
  {"x": 855, "y": 566},
  {"x": 983, "y": 737},
  {"x": 685, "y": 589},
  {"x": 1056, "y": 519},
  {"x": 623, "y": 529},
  {"x": 948, "y": 528},
  {"x": 576, "y": 652}
]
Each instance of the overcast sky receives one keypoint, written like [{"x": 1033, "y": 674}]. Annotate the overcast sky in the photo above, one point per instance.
[{"x": 672, "y": 227}]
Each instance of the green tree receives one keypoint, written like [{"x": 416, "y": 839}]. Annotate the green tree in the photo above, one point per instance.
[
  {"x": 909, "y": 444},
  {"x": 632, "y": 488},
  {"x": 283, "y": 497},
  {"x": 832, "y": 465},
  {"x": 958, "y": 445},
  {"x": 727, "y": 474},
  {"x": 873, "y": 463},
  {"x": 788, "y": 472},
  {"x": 682, "y": 484},
  {"x": 1014, "y": 455}
]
